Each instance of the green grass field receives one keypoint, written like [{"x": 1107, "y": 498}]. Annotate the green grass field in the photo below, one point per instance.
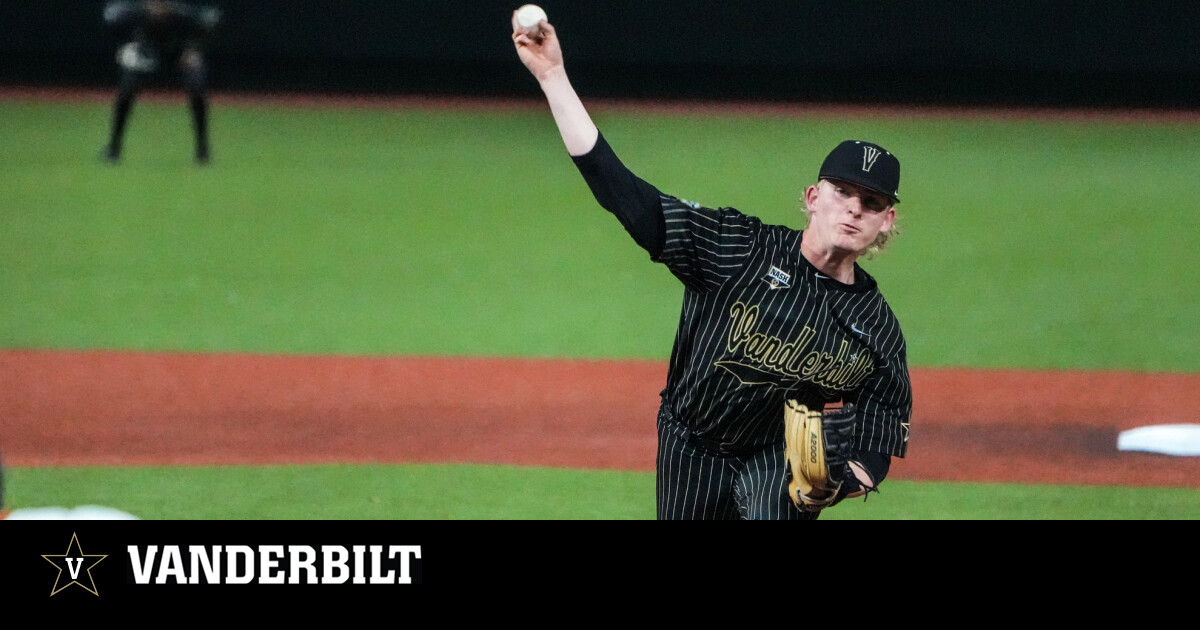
[
  {"x": 1027, "y": 243},
  {"x": 478, "y": 492}
]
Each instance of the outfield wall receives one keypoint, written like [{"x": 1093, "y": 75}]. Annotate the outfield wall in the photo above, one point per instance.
[{"x": 1024, "y": 52}]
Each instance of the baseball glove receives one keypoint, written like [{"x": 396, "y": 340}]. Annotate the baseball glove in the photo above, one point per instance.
[{"x": 817, "y": 445}]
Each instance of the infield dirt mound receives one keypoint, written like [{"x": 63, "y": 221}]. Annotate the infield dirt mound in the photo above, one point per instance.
[{"x": 123, "y": 408}]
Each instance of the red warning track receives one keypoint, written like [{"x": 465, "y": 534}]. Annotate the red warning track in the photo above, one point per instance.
[
  {"x": 119, "y": 408},
  {"x": 685, "y": 107}
]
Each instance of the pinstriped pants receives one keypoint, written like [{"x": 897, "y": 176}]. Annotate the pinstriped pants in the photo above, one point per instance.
[{"x": 694, "y": 483}]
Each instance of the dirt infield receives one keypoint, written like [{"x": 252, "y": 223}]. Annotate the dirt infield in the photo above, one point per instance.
[
  {"x": 689, "y": 107},
  {"x": 121, "y": 408}
]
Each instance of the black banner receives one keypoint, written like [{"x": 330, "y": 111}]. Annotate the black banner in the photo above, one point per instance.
[{"x": 1078, "y": 52}]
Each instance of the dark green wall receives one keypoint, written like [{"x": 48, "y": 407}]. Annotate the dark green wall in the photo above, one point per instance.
[{"x": 1013, "y": 52}]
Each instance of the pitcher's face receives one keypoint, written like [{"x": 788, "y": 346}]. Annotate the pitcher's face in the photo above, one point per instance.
[{"x": 847, "y": 217}]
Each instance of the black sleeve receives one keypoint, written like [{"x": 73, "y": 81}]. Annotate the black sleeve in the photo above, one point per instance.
[
  {"x": 876, "y": 464},
  {"x": 636, "y": 204},
  {"x": 885, "y": 400}
]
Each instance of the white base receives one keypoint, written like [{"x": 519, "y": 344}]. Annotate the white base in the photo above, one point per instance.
[
  {"x": 1171, "y": 439},
  {"x": 81, "y": 513}
]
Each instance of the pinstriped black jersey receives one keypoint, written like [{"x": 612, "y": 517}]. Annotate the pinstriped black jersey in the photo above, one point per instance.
[{"x": 759, "y": 324}]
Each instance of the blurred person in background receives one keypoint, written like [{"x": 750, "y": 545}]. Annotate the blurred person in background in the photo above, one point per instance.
[{"x": 160, "y": 36}]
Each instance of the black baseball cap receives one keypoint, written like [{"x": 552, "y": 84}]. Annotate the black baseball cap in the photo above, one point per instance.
[{"x": 866, "y": 164}]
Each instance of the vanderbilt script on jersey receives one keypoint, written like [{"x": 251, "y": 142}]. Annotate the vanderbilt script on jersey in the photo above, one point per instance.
[{"x": 768, "y": 360}]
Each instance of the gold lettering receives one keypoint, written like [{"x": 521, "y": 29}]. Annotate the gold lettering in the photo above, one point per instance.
[
  {"x": 791, "y": 358},
  {"x": 816, "y": 365},
  {"x": 795, "y": 363},
  {"x": 752, "y": 345},
  {"x": 865, "y": 368},
  {"x": 744, "y": 320},
  {"x": 828, "y": 374},
  {"x": 770, "y": 346}
]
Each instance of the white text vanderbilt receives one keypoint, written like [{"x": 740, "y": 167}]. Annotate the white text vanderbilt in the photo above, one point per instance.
[{"x": 273, "y": 564}]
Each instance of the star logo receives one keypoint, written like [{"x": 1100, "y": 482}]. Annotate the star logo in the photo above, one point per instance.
[{"x": 76, "y": 565}]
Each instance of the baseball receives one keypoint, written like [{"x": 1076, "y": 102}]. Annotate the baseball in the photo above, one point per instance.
[{"x": 528, "y": 18}]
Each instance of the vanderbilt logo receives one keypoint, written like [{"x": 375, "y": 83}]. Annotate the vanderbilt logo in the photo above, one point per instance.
[
  {"x": 769, "y": 360},
  {"x": 74, "y": 568},
  {"x": 273, "y": 564},
  {"x": 870, "y": 154}
]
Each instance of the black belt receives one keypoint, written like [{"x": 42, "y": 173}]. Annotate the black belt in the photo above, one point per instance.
[{"x": 716, "y": 447}]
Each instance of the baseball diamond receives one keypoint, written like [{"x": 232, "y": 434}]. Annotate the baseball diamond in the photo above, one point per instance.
[{"x": 177, "y": 409}]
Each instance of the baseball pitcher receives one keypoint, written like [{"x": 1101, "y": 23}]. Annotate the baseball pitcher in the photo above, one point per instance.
[{"x": 788, "y": 387}]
